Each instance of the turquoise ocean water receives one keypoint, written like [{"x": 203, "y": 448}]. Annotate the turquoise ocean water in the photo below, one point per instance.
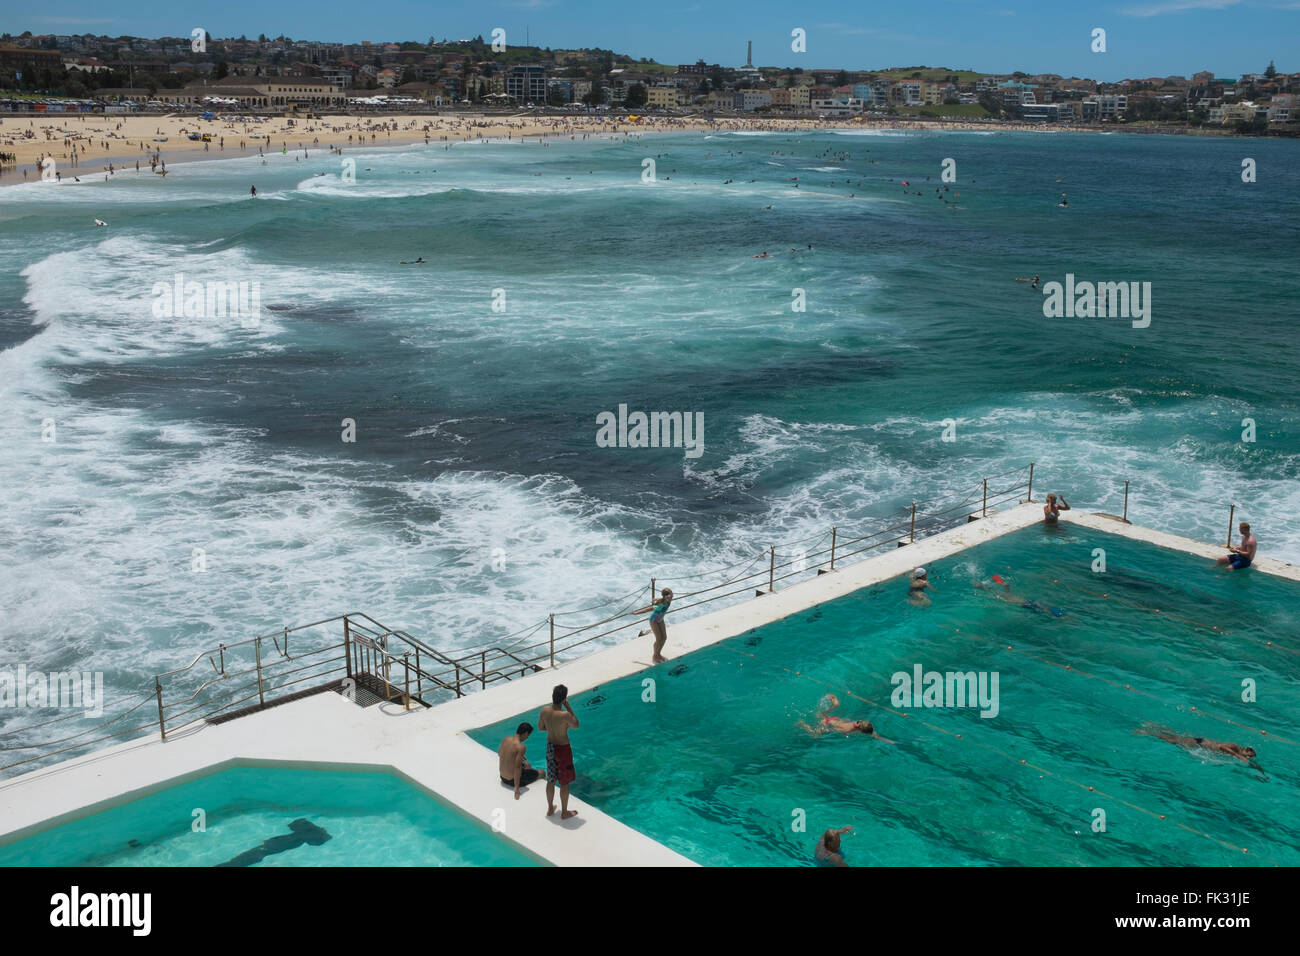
[
  {"x": 716, "y": 766},
  {"x": 475, "y": 498}
]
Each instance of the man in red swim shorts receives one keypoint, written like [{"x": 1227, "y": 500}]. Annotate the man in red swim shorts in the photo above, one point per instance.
[{"x": 556, "y": 719}]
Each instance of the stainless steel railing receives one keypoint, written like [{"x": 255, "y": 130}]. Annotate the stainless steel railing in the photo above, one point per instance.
[{"x": 260, "y": 672}]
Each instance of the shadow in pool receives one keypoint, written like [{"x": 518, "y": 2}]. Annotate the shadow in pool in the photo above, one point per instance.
[{"x": 303, "y": 832}]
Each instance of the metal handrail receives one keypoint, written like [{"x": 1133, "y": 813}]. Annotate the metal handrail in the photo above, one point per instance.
[{"x": 382, "y": 653}]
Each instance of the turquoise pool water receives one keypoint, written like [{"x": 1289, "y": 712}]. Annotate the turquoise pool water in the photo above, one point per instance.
[
  {"x": 717, "y": 769},
  {"x": 274, "y": 816}
]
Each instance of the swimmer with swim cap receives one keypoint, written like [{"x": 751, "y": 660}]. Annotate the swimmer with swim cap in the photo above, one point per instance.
[{"x": 917, "y": 586}]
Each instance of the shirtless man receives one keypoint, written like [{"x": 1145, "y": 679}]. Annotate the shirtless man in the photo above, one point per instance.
[
  {"x": 515, "y": 771},
  {"x": 828, "y": 848},
  {"x": 826, "y": 723},
  {"x": 557, "y": 718},
  {"x": 1052, "y": 510},
  {"x": 1244, "y": 754},
  {"x": 1238, "y": 558}
]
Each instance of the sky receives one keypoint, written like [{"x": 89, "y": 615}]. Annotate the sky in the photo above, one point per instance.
[{"x": 1142, "y": 37}]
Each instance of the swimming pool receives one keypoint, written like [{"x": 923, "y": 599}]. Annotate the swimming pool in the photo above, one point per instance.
[
  {"x": 716, "y": 768},
  {"x": 273, "y": 816}
]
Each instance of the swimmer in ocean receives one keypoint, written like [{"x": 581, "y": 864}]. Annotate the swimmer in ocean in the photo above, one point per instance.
[
  {"x": 828, "y": 847},
  {"x": 917, "y": 586},
  {"x": 1244, "y": 754},
  {"x": 827, "y": 723},
  {"x": 414, "y": 262}
]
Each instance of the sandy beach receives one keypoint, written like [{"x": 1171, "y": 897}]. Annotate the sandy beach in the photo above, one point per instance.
[{"x": 88, "y": 143}]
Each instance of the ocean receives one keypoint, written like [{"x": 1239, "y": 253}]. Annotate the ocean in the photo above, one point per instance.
[{"x": 173, "y": 482}]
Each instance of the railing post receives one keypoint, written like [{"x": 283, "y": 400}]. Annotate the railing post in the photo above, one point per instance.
[
  {"x": 984, "y": 513},
  {"x": 419, "y": 676},
  {"x": 286, "y": 641},
  {"x": 771, "y": 569},
  {"x": 552, "y": 640},
  {"x": 833, "y": 532},
  {"x": 652, "y": 590},
  {"x": 347, "y": 645},
  {"x": 1126, "y": 502},
  {"x": 457, "y": 666},
  {"x": 162, "y": 728},
  {"x": 222, "y": 649},
  {"x": 483, "y": 668},
  {"x": 257, "y": 647},
  {"x": 406, "y": 691},
  {"x": 1030, "y": 495},
  {"x": 912, "y": 533},
  {"x": 1232, "y": 511}
]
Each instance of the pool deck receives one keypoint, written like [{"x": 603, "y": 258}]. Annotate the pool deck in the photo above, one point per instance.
[{"x": 431, "y": 747}]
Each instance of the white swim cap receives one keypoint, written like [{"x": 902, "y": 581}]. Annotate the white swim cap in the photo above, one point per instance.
[{"x": 918, "y": 572}]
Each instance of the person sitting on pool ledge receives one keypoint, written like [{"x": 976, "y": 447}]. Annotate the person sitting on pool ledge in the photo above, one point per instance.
[
  {"x": 828, "y": 848},
  {"x": 826, "y": 723},
  {"x": 1244, "y": 754},
  {"x": 515, "y": 771},
  {"x": 917, "y": 586},
  {"x": 1239, "y": 558},
  {"x": 1052, "y": 510}
]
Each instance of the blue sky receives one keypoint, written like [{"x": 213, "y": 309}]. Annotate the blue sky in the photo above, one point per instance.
[{"x": 1143, "y": 37}]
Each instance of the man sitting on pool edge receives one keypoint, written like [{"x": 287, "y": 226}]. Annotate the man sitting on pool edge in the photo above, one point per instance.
[
  {"x": 515, "y": 771},
  {"x": 1239, "y": 558},
  {"x": 827, "y": 723}
]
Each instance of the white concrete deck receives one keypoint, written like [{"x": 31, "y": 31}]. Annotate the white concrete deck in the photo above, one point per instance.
[
  {"x": 1112, "y": 525},
  {"x": 430, "y": 747}
]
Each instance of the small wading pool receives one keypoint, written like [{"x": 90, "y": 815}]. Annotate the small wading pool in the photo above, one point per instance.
[
  {"x": 274, "y": 816},
  {"x": 717, "y": 769}
]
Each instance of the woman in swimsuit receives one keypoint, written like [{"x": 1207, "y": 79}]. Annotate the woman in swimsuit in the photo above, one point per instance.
[
  {"x": 657, "y": 626},
  {"x": 1052, "y": 510},
  {"x": 827, "y": 723}
]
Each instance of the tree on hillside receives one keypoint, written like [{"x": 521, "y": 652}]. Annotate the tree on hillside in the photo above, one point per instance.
[
  {"x": 841, "y": 78},
  {"x": 596, "y": 96},
  {"x": 636, "y": 96},
  {"x": 1271, "y": 71},
  {"x": 222, "y": 71}
]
